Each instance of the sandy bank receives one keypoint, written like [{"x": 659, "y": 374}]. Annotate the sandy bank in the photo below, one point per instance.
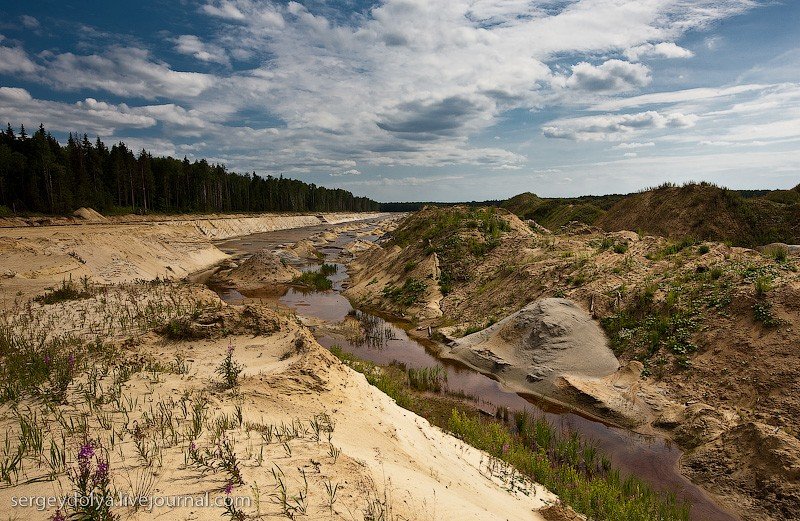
[
  {"x": 128, "y": 248},
  {"x": 299, "y": 421}
]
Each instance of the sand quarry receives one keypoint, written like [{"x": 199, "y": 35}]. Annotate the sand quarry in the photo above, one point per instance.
[{"x": 144, "y": 410}]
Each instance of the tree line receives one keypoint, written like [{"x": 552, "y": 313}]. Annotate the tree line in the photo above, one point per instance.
[{"x": 39, "y": 175}]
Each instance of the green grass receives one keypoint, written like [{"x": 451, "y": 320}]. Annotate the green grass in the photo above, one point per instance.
[
  {"x": 406, "y": 295},
  {"x": 328, "y": 269},
  {"x": 69, "y": 290},
  {"x": 314, "y": 279},
  {"x": 427, "y": 378},
  {"x": 562, "y": 461},
  {"x": 567, "y": 465}
]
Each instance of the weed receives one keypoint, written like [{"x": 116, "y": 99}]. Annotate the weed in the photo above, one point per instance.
[{"x": 229, "y": 369}]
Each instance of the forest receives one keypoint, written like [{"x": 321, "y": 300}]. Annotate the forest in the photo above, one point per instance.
[{"x": 39, "y": 175}]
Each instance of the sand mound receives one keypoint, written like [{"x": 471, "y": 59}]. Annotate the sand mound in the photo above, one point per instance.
[
  {"x": 88, "y": 214},
  {"x": 304, "y": 249},
  {"x": 532, "y": 348},
  {"x": 262, "y": 269}
]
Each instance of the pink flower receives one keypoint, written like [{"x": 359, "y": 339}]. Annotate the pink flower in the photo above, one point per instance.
[
  {"x": 229, "y": 488},
  {"x": 58, "y": 516},
  {"x": 505, "y": 448}
]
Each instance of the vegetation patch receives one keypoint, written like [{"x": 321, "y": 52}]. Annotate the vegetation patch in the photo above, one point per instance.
[
  {"x": 406, "y": 295},
  {"x": 560, "y": 460},
  {"x": 69, "y": 290},
  {"x": 314, "y": 279}
]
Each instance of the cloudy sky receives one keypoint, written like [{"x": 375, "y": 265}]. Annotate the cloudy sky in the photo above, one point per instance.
[{"x": 424, "y": 99}]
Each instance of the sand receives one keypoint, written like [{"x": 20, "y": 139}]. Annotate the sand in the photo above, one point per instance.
[
  {"x": 531, "y": 349},
  {"x": 378, "y": 455},
  {"x": 261, "y": 269},
  {"x": 37, "y": 257}
]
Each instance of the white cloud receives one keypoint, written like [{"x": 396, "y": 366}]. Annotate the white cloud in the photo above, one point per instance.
[
  {"x": 659, "y": 50},
  {"x": 628, "y": 146},
  {"x": 662, "y": 98},
  {"x": 615, "y": 126},
  {"x": 609, "y": 77},
  {"x": 89, "y": 115},
  {"x": 15, "y": 60},
  {"x": 350, "y": 172},
  {"x": 192, "y": 45},
  {"x": 124, "y": 71},
  {"x": 408, "y": 83}
]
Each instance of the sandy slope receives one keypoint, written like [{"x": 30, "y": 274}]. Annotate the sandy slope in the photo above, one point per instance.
[
  {"x": 33, "y": 258},
  {"x": 390, "y": 459}
]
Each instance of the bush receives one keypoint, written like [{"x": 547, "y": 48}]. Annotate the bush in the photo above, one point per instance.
[
  {"x": 703, "y": 249},
  {"x": 314, "y": 279}
]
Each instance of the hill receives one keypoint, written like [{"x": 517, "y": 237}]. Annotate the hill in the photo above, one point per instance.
[
  {"x": 701, "y": 211},
  {"x": 554, "y": 213},
  {"x": 708, "y": 212}
]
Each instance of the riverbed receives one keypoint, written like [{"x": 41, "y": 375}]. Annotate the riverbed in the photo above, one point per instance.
[{"x": 651, "y": 458}]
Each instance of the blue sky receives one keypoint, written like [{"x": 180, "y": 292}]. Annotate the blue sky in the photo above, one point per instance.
[{"x": 424, "y": 99}]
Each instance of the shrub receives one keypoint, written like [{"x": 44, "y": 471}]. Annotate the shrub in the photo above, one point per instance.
[
  {"x": 703, "y": 249},
  {"x": 778, "y": 252}
]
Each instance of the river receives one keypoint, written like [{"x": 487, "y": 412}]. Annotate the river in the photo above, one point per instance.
[{"x": 651, "y": 458}]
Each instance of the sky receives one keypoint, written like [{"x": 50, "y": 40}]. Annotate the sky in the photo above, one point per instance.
[{"x": 420, "y": 100}]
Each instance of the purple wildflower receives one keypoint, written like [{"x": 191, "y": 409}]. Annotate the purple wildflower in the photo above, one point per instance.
[
  {"x": 86, "y": 452},
  {"x": 505, "y": 448},
  {"x": 72, "y": 361},
  {"x": 101, "y": 473},
  {"x": 229, "y": 488},
  {"x": 46, "y": 359},
  {"x": 58, "y": 516},
  {"x": 230, "y": 347}
]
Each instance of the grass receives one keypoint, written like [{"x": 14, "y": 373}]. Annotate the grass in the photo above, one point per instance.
[
  {"x": 560, "y": 460},
  {"x": 69, "y": 290},
  {"x": 427, "y": 378},
  {"x": 314, "y": 279},
  {"x": 457, "y": 235},
  {"x": 406, "y": 295}
]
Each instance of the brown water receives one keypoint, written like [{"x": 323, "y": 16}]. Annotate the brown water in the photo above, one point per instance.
[{"x": 651, "y": 458}]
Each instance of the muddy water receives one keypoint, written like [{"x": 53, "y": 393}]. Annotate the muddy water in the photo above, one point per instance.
[{"x": 651, "y": 458}]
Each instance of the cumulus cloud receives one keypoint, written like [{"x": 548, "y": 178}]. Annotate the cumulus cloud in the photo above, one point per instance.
[
  {"x": 608, "y": 77},
  {"x": 615, "y": 126},
  {"x": 405, "y": 83},
  {"x": 124, "y": 71},
  {"x": 659, "y": 50},
  {"x": 192, "y": 45},
  {"x": 15, "y": 60},
  {"x": 88, "y": 115}
]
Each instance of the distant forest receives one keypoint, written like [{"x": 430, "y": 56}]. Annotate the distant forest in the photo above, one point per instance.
[{"x": 39, "y": 175}]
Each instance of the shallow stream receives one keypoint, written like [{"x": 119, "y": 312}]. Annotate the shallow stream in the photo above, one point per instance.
[{"x": 651, "y": 458}]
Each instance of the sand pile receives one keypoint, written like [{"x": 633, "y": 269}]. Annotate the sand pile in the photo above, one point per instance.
[
  {"x": 304, "y": 249},
  {"x": 532, "y": 348},
  {"x": 88, "y": 214},
  {"x": 262, "y": 269}
]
